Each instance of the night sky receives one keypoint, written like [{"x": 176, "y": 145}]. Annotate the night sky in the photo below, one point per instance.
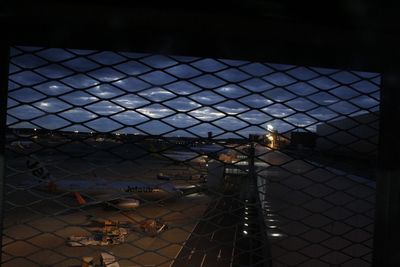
[{"x": 84, "y": 90}]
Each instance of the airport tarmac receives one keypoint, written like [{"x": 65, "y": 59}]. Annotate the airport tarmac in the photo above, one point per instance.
[
  {"x": 37, "y": 224},
  {"x": 323, "y": 212},
  {"x": 316, "y": 215},
  {"x": 31, "y": 239}
]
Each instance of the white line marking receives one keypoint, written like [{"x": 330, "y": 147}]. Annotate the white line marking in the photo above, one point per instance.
[
  {"x": 234, "y": 243},
  {"x": 191, "y": 253},
  {"x": 202, "y": 261},
  {"x": 184, "y": 243},
  {"x": 219, "y": 255},
  {"x": 212, "y": 236}
]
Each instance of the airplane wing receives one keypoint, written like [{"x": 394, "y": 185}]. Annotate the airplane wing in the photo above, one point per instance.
[{"x": 121, "y": 201}]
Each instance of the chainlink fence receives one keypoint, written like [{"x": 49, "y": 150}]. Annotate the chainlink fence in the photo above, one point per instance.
[{"x": 137, "y": 159}]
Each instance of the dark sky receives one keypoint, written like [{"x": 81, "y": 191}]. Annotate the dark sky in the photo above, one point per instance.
[{"x": 86, "y": 90}]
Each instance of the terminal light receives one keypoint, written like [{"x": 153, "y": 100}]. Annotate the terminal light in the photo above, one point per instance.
[
  {"x": 245, "y": 232},
  {"x": 276, "y": 235},
  {"x": 246, "y": 224}
]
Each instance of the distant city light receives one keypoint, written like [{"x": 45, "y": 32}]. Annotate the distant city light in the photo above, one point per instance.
[
  {"x": 276, "y": 234},
  {"x": 76, "y": 131}
]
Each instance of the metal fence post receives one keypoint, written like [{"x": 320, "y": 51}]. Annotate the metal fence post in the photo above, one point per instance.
[
  {"x": 387, "y": 216},
  {"x": 4, "y": 65}
]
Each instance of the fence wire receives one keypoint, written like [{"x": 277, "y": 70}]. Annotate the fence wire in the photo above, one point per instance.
[{"x": 137, "y": 159}]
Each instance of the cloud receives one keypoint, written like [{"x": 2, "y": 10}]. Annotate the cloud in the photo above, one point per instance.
[{"x": 152, "y": 91}]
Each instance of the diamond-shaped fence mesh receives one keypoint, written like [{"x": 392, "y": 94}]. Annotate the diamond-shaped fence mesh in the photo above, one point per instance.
[{"x": 137, "y": 159}]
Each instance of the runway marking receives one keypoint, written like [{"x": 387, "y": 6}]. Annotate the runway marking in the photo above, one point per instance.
[
  {"x": 191, "y": 253},
  {"x": 184, "y": 243},
  {"x": 234, "y": 243},
  {"x": 219, "y": 255},
  {"x": 202, "y": 261},
  {"x": 212, "y": 236}
]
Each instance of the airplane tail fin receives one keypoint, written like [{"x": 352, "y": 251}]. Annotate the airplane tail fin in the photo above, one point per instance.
[
  {"x": 41, "y": 173},
  {"x": 79, "y": 199},
  {"x": 52, "y": 187},
  {"x": 37, "y": 169}
]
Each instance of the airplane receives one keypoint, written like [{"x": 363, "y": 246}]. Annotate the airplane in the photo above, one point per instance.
[{"x": 125, "y": 195}]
